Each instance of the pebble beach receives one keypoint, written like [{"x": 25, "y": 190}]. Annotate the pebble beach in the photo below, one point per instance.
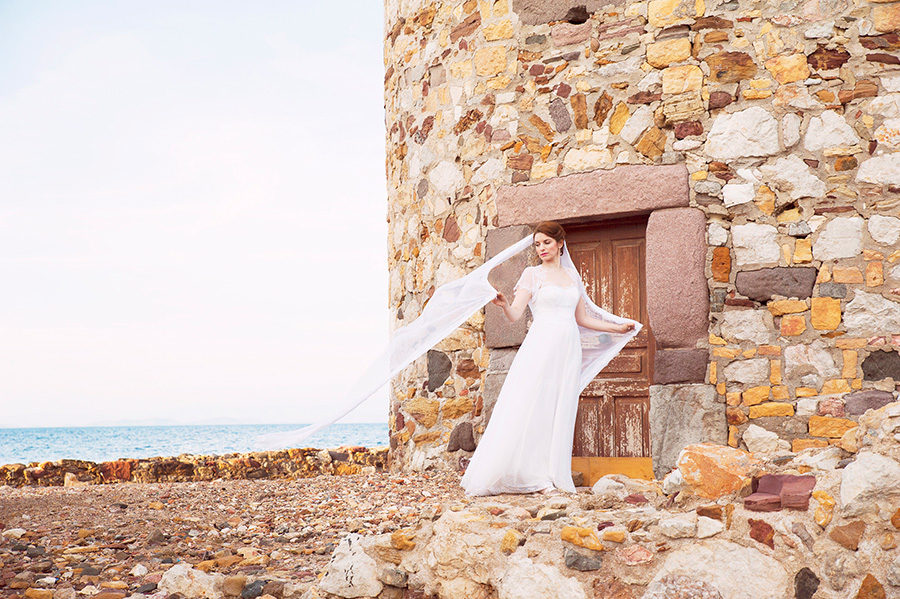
[{"x": 116, "y": 540}]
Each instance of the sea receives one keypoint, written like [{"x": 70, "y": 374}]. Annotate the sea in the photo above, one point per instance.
[{"x": 106, "y": 443}]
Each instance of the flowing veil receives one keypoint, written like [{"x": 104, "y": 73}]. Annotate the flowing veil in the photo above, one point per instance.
[{"x": 451, "y": 305}]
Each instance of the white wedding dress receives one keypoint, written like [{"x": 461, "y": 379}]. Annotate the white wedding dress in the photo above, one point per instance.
[{"x": 527, "y": 445}]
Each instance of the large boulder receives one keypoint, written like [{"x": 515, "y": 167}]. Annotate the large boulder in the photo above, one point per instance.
[{"x": 712, "y": 471}]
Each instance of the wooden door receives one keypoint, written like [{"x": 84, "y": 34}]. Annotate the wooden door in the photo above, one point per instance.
[{"x": 612, "y": 429}]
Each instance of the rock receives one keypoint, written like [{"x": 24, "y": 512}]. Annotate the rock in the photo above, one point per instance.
[
  {"x": 790, "y": 129},
  {"x": 762, "y": 531},
  {"x": 793, "y": 176},
  {"x": 680, "y": 586},
  {"x": 566, "y": 34},
  {"x": 233, "y": 585},
  {"x": 511, "y": 541},
  {"x": 749, "y": 132},
  {"x": 787, "y": 69},
  {"x": 679, "y": 527},
  {"x": 681, "y": 414},
  {"x": 755, "y": 326},
  {"x": 870, "y": 589},
  {"x": 828, "y": 426},
  {"x": 14, "y": 533},
  {"x": 870, "y": 480},
  {"x": 848, "y": 535},
  {"x": 871, "y": 314},
  {"x": 609, "y": 489},
  {"x": 755, "y": 243},
  {"x": 581, "y": 562},
  {"x": 581, "y": 537},
  {"x": 351, "y": 572},
  {"x": 253, "y": 590},
  {"x": 730, "y": 67},
  {"x": 734, "y": 194},
  {"x": 841, "y": 238},
  {"x": 663, "y": 53},
  {"x": 828, "y": 130},
  {"x": 761, "y": 284},
  {"x": 708, "y": 527},
  {"x": 727, "y": 567},
  {"x": 712, "y": 471},
  {"x": 461, "y": 437},
  {"x": 859, "y": 402},
  {"x": 759, "y": 441},
  {"x": 814, "y": 358},
  {"x": 525, "y": 579},
  {"x": 805, "y": 584},
  {"x": 881, "y": 170},
  {"x": 637, "y": 123},
  {"x": 884, "y": 229},
  {"x": 182, "y": 578}
]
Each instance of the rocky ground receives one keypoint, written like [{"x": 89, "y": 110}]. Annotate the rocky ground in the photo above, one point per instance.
[{"x": 114, "y": 540}]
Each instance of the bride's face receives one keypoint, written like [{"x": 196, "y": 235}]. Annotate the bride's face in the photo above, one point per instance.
[{"x": 546, "y": 247}]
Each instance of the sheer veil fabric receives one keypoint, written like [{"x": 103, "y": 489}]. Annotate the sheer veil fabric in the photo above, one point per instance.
[{"x": 450, "y": 306}]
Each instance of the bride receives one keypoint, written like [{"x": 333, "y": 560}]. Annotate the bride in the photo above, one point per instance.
[{"x": 527, "y": 445}]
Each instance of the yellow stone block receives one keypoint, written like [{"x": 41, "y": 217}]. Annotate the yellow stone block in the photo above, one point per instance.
[
  {"x": 699, "y": 175},
  {"x": 682, "y": 78},
  {"x": 779, "y": 307},
  {"x": 755, "y": 395},
  {"x": 713, "y": 373},
  {"x": 846, "y": 274},
  {"x": 756, "y": 94},
  {"x": 771, "y": 408},
  {"x": 615, "y": 536},
  {"x": 455, "y": 407},
  {"x": 824, "y": 274},
  {"x": 806, "y": 391},
  {"x": 543, "y": 170},
  {"x": 802, "y": 251},
  {"x": 618, "y": 118},
  {"x": 748, "y": 353},
  {"x": 662, "y": 54},
  {"x": 825, "y": 313},
  {"x": 886, "y": 17},
  {"x": 833, "y": 386},
  {"x": 424, "y": 410},
  {"x": 850, "y": 342},
  {"x": 716, "y": 340},
  {"x": 490, "y": 61},
  {"x": 726, "y": 352},
  {"x": 825, "y": 509},
  {"x": 770, "y": 350},
  {"x": 874, "y": 274},
  {"x": 829, "y": 426},
  {"x": 789, "y": 216},
  {"x": 856, "y": 384},
  {"x": 498, "y": 31},
  {"x": 510, "y": 541},
  {"x": 801, "y": 444},
  {"x": 662, "y": 13},
  {"x": 733, "y": 398},
  {"x": 460, "y": 69},
  {"x": 780, "y": 392},
  {"x": 787, "y": 69},
  {"x": 720, "y": 389},
  {"x": 401, "y": 540},
  {"x": 775, "y": 372},
  {"x": 582, "y": 537},
  {"x": 793, "y": 324},
  {"x": 732, "y": 435},
  {"x": 850, "y": 359}
]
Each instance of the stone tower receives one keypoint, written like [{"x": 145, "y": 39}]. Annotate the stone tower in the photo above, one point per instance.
[{"x": 745, "y": 151}]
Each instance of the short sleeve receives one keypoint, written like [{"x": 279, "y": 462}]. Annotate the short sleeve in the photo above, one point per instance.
[{"x": 526, "y": 281}]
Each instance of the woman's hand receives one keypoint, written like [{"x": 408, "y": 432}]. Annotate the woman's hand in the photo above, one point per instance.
[
  {"x": 624, "y": 328},
  {"x": 500, "y": 300}
]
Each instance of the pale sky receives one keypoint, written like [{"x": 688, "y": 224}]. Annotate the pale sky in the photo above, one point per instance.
[{"x": 179, "y": 182}]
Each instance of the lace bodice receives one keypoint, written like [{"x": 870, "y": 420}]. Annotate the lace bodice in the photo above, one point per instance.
[{"x": 550, "y": 299}]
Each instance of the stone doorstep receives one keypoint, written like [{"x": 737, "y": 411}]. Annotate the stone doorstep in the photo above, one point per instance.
[{"x": 773, "y": 492}]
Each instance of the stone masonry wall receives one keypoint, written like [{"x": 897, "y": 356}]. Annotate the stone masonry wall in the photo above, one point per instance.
[{"x": 786, "y": 119}]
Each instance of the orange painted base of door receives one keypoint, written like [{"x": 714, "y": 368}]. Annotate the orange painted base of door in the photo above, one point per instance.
[{"x": 592, "y": 468}]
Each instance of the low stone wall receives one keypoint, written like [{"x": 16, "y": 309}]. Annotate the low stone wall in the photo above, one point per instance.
[
  {"x": 288, "y": 463},
  {"x": 726, "y": 523}
]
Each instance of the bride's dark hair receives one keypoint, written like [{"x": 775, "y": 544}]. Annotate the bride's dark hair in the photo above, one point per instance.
[{"x": 551, "y": 228}]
